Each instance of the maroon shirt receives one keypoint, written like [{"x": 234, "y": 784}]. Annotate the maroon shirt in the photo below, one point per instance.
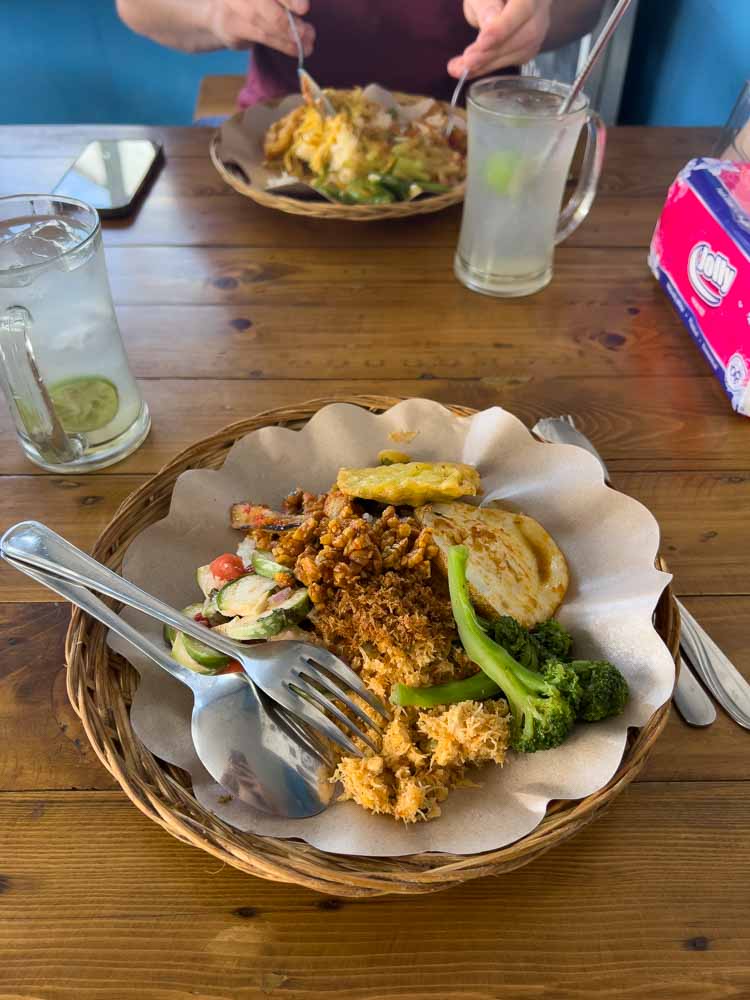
[{"x": 401, "y": 44}]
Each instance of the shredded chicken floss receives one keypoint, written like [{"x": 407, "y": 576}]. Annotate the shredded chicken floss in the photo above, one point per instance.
[{"x": 380, "y": 604}]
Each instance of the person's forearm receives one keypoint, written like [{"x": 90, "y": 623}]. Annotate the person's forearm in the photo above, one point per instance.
[
  {"x": 179, "y": 24},
  {"x": 571, "y": 19}
]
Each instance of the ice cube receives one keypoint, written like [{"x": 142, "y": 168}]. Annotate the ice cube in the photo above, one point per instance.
[
  {"x": 522, "y": 102},
  {"x": 33, "y": 240},
  {"x": 37, "y": 240}
]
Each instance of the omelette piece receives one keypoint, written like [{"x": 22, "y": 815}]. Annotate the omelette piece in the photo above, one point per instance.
[
  {"x": 515, "y": 566},
  {"x": 410, "y": 483}
]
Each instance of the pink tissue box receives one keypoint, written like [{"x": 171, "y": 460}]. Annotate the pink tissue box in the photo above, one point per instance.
[{"x": 700, "y": 252}]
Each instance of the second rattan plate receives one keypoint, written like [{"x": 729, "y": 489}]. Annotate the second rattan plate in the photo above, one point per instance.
[
  {"x": 101, "y": 685},
  {"x": 316, "y": 208}
]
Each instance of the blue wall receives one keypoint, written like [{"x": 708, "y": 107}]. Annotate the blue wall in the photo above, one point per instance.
[
  {"x": 688, "y": 62},
  {"x": 67, "y": 61}
]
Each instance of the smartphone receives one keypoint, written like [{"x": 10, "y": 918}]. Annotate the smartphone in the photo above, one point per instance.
[{"x": 112, "y": 174}]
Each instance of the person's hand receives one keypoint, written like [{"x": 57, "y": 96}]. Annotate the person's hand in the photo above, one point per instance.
[
  {"x": 510, "y": 33},
  {"x": 238, "y": 24}
]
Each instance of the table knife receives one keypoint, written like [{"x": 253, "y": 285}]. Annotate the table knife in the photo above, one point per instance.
[
  {"x": 714, "y": 668},
  {"x": 691, "y": 701},
  {"x": 689, "y": 697}
]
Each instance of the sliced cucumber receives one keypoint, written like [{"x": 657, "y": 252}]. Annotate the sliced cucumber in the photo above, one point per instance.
[
  {"x": 250, "y": 628},
  {"x": 180, "y": 653},
  {"x": 210, "y": 659},
  {"x": 270, "y": 623},
  {"x": 246, "y": 596},
  {"x": 296, "y": 607},
  {"x": 210, "y": 607},
  {"x": 207, "y": 581},
  {"x": 264, "y": 565},
  {"x": 170, "y": 634}
]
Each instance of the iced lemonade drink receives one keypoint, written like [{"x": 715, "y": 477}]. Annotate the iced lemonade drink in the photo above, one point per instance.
[
  {"x": 64, "y": 368},
  {"x": 519, "y": 155}
]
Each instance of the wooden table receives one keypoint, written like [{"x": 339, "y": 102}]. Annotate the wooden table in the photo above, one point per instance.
[{"x": 227, "y": 309}]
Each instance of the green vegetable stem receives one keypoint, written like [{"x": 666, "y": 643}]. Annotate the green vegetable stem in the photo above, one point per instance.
[
  {"x": 546, "y": 692},
  {"x": 541, "y": 716},
  {"x": 476, "y": 688}
]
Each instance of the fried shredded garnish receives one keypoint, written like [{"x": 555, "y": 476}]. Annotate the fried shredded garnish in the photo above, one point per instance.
[
  {"x": 423, "y": 756},
  {"x": 470, "y": 732},
  {"x": 395, "y": 628},
  {"x": 337, "y": 543},
  {"x": 378, "y": 605}
]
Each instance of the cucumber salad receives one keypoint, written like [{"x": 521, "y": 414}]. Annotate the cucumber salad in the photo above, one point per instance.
[{"x": 247, "y": 597}]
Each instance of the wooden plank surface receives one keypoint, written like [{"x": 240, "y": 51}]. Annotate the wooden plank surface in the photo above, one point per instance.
[
  {"x": 648, "y": 423},
  {"x": 45, "y": 746},
  {"x": 703, "y": 520},
  {"x": 146, "y": 916},
  {"x": 228, "y": 309},
  {"x": 190, "y": 205}
]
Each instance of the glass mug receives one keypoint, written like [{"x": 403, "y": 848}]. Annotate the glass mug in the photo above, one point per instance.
[
  {"x": 63, "y": 367},
  {"x": 519, "y": 155}
]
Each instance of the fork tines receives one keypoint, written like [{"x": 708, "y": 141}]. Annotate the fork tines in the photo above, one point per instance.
[{"x": 322, "y": 680}]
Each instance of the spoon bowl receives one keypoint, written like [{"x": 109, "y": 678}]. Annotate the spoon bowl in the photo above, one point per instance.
[{"x": 256, "y": 750}]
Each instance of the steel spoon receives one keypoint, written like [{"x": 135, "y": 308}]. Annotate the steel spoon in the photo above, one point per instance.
[{"x": 254, "y": 749}]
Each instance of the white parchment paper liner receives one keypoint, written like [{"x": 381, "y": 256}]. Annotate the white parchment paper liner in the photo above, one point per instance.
[
  {"x": 240, "y": 139},
  {"x": 610, "y": 542}
]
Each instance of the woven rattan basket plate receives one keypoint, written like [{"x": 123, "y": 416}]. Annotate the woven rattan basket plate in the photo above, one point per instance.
[
  {"x": 313, "y": 208},
  {"x": 101, "y": 685}
]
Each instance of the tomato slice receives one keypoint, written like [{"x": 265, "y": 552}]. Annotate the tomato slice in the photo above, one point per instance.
[
  {"x": 228, "y": 567},
  {"x": 233, "y": 667}
]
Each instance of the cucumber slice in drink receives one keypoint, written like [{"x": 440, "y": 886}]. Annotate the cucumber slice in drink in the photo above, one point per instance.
[
  {"x": 505, "y": 172},
  {"x": 85, "y": 403}
]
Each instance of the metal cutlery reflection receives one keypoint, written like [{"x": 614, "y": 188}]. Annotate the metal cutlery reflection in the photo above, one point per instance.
[
  {"x": 454, "y": 101},
  {"x": 306, "y": 679},
  {"x": 691, "y": 700},
  {"x": 719, "y": 675},
  {"x": 308, "y": 86},
  {"x": 250, "y": 747}
]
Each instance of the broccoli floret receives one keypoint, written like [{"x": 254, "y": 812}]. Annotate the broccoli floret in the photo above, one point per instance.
[
  {"x": 516, "y": 639},
  {"x": 604, "y": 691},
  {"x": 542, "y": 716},
  {"x": 565, "y": 680},
  {"x": 553, "y": 640}
]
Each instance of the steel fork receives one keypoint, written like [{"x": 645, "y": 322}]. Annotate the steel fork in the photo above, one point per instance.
[{"x": 304, "y": 678}]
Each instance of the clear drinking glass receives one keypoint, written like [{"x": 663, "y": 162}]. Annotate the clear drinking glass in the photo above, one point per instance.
[
  {"x": 63, "y": 366},
  {"x": 734, "y": 141},
  {"x": 520, "y": 151}
]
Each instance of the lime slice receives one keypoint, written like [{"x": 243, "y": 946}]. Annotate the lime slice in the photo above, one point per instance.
[
  {"x": 504, "y": 171},
  {"x": 85, "y": 403}
]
